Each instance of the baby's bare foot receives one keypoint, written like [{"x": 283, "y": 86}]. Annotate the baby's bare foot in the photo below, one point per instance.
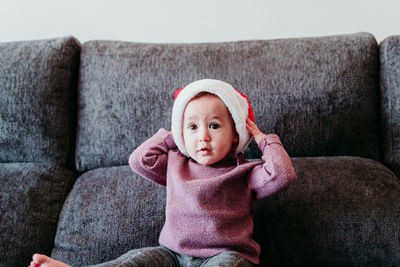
[{"x": 39, "y": 260}]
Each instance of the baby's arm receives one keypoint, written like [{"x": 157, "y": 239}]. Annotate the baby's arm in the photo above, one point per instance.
[
  {"x": 277, "y": 171},
  {"x": 150, "y": 159}
]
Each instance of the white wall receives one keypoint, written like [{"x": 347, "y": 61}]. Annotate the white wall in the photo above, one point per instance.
[{"x": 195, "y": 20}]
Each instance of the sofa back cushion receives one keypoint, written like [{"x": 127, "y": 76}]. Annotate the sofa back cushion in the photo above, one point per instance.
[
  {"x": 37, "y": 95},
  {"x": 390, "y": 100},
  {"x": 318, "y": 94}
]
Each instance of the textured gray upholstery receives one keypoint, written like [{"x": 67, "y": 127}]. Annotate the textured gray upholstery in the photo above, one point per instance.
[
  {"x": 390, "y": 101},
  {"x": 342, "y": 211},
  {"x": 37, "y": 132},
  {"x": 37, "y": 92},
  {"x": 31, "y": 197},
  {"x": 318, "y": 94},
  {"x": 108, "y": 212}
]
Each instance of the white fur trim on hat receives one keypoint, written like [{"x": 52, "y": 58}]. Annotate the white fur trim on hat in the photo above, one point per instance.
[{"x": 237, "y": 105}]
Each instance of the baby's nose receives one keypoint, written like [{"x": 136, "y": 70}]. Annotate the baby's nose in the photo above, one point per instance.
[{"x": 204, "y": 136}]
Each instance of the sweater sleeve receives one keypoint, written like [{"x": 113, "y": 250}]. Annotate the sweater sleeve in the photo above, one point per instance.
[
  {"x": 150, "y": 159},
  {"x": 276, "y": 172}
]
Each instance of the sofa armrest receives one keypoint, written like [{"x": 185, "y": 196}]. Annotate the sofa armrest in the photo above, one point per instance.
[{"x": 390, "y": 101}]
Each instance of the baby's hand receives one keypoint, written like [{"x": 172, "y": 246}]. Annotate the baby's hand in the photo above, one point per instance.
[{"x": 254, "y": 131}]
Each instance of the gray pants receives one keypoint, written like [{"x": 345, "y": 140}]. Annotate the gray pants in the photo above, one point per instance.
[{"x": 163, "y": 257}]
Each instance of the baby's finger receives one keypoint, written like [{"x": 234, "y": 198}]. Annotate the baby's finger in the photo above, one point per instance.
[
  {"x": 249, "y": 125},
  {"x": 250, "y": 122}
]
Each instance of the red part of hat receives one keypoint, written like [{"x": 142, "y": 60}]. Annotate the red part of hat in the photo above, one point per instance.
[
  {"x": 177, "y": 92},
  {"x": 251, "y": 113}
]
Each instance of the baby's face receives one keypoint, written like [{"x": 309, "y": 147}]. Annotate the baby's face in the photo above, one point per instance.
[{"x": 208, "y": 130}]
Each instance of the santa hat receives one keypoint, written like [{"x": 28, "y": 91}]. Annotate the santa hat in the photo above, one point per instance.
[{"x": 236, "y": 102}]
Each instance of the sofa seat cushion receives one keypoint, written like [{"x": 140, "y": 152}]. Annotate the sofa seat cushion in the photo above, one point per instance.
[
  {"x": 31, "y": 198},
  {"x": 342, "y": 211},
  {"x": 108, "y": 212},
  {"x": 37, "y": 100}
]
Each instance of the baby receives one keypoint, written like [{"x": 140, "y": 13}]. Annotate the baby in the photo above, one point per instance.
[{"x": 211, "y": 189}]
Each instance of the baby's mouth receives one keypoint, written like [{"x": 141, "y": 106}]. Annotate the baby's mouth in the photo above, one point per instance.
[{"x": 204, "y": 150}]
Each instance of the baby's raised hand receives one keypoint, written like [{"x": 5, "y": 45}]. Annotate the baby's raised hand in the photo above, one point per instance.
[{"x": 254, "y": 131}]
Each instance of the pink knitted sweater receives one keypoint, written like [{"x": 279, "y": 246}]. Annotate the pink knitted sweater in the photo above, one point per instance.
[{"x": 209, "y": 209}]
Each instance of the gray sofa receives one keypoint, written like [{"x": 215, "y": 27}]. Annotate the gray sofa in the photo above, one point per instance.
[{"x": 71, "y": 114}]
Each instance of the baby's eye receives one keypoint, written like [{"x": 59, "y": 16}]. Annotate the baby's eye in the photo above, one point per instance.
[
  {"x": 214, "y": 126},
  {"x": 192, "y": 127}
]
